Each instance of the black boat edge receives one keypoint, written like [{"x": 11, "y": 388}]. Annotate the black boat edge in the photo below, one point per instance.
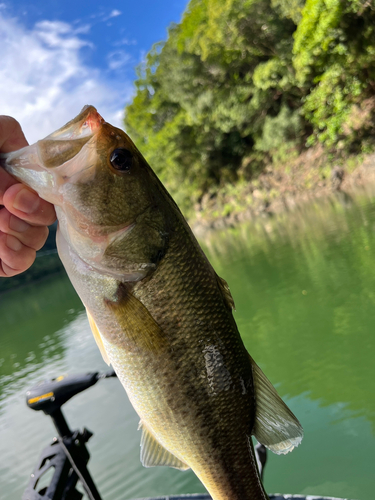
[{"x": 277, "y": 496}]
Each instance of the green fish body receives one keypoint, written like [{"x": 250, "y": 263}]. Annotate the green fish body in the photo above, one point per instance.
[{"x": 159, "y": 313}]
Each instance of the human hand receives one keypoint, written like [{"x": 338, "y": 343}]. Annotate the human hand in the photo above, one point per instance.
[{"x": 24, "y": 216}]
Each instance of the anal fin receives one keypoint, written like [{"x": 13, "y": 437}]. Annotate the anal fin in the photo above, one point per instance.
[
  {"x": 275, "y": 425},
  {"x": 97, "y": 337},
  {"x": 153, "y": 454}
]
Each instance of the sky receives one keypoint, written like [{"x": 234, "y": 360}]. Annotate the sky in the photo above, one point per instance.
[{"x": 58, "y": 55}]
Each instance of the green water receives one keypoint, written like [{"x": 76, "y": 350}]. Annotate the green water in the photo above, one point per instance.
[{"x": 304, "y": 287}]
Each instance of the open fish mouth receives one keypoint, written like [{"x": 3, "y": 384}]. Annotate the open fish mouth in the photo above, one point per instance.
[
  {"x": 87, "y": 123},
  {"x": 53, "y": 161}
]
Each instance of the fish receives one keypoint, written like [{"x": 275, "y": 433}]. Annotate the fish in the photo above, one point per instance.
[{"x": 158, "y": 311}]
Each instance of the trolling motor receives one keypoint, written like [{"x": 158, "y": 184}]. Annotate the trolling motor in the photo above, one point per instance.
[{"x": 67, "y": 455}]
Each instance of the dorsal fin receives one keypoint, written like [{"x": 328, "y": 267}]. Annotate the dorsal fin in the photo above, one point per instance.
[
  {"x": 224, "y": 288},
  {"x": 97, "y": 337},
  {"x": 154, "y": 454},
  {"x": 275, "y": 425}
]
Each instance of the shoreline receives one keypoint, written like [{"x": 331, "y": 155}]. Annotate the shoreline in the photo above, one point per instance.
[{"x": 283, "y": 189}]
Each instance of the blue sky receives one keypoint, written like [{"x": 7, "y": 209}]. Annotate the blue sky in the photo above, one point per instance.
[{"x": 57, "y": 56}]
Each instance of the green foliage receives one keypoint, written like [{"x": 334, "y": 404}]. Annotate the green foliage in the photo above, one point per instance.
[
  {"x": 240, "y": 83},
  {"x": 281, "y": 134},
  {"x": 290, "y": 8},
  {"x": 329, "y": 105},
  {"x": 334, "y": 59},
  {"x": 203, "y": 96}
]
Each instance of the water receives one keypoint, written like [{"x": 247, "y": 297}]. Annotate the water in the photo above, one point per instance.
[{"x": 304, "y": 287}]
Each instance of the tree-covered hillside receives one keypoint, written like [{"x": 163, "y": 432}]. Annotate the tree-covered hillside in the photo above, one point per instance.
[{"x": 241, "y": 83}]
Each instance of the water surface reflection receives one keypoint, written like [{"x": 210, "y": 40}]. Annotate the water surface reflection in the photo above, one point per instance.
[{"x": 304, "y": 288}]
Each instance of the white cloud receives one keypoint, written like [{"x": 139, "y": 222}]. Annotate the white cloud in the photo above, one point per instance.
[
  {"x": 44, "y": 81},
  {"x": 117, "y": 59},
  {"x": 115, "y": 13},
  {"x": 102, "y": 16},
  {"x": 124, "y": 41},
  {"x": 60, "y": 34}
]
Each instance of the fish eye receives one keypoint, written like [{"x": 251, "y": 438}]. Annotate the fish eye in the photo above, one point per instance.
[{"x": 121, "y": 159}]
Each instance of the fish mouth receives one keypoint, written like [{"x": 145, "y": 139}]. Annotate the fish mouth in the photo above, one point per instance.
[
  {"x": 86, "y": 123},
  {"x": 58, "y": 158}
]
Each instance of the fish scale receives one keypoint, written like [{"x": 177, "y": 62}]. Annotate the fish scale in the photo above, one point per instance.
[
  {"x": 158, "y": 311},
  {"x": 219, "y": 417}
]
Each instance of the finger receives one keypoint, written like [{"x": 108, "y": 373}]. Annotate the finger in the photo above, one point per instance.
[
  {"x": 6, "y": 271},
  {"x": 27, "y": 205},
  {"x": 11, "y": 135},
  {"x": 30, "y": 236},
  {"x": 11, "y": 139},
  {"x": 14, "y": 255},
  {"x": 6, "y": 181}
]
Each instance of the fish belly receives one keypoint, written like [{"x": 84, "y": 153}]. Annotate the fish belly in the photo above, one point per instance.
[{"x": 209, "y": 434}]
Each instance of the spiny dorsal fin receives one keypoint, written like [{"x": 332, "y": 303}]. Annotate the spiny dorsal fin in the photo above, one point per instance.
[
  {"x": 97, "y": 337},
  {"x": 154, "y": 454},
  {"x": 136, "y": 321},
  {"x": 275, "y": 425},
  {"x": 224, "y": 288}
]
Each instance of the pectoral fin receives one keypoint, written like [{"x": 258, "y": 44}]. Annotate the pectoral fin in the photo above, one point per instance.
[
  {"x": 275, "y": 425},
  {"x": 97, "y": 337},
  {"x": 136, "y": 321},
  {"x": 154, "y": 454}
]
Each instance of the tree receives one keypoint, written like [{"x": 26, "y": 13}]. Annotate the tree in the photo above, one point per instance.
[
  {"x": 334, "y": 54},
  {"x": 203, "y": 96}
]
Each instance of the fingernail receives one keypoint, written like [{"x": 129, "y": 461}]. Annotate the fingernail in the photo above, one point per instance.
[
  {"x": 26, "y": 201},
  {"x": 18, "y": 225},
  {"x": 13, "y": 243}
]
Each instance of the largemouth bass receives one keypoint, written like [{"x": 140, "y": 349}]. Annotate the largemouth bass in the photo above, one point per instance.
[{"x": 158, "y": 311}]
